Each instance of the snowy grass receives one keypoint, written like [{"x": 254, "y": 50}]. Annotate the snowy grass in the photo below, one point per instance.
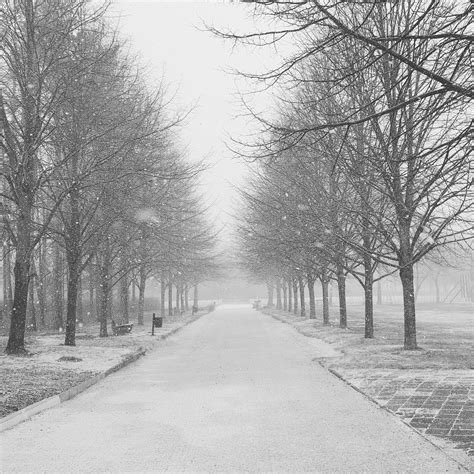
[
  {"x": 445, "y": 336},
  {"x": 52, "y": 367}
]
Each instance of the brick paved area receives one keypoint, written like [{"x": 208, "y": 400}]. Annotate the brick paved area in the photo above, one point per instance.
[{"x": 435, "y": 402}]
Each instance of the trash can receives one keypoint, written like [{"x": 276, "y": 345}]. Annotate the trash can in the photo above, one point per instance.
[{"x": 158, "y": 321}]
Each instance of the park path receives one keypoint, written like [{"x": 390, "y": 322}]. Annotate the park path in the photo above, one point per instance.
[{"x": 234, "y": 391}]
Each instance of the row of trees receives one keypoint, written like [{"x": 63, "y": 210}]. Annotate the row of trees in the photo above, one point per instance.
[
  {"x": 92, "y": 177},
  {"x": 365, "y": 166}
]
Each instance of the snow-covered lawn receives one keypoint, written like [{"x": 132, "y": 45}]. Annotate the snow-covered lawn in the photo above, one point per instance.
[{"x": 445, "y": 336}]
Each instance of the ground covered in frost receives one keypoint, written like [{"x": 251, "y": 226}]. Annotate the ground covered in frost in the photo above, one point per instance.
[{"x": 445, "y": 336}]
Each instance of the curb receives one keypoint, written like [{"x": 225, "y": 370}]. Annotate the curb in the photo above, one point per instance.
[
  {"x": 26, "y": 413},
  {"x": 187, "y": 323}
]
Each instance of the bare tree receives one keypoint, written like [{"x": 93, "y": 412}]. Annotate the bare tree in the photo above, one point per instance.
[{"x": 35, "y": 42}]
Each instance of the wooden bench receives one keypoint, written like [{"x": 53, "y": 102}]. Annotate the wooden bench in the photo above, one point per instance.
[{"x": 120, "y": 330}]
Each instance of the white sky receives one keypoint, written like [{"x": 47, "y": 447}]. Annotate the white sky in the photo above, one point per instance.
[{"x": 167, "y": 37}]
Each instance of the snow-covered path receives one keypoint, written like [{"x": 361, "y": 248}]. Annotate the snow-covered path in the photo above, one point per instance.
[{"x": 234, "y": 391}]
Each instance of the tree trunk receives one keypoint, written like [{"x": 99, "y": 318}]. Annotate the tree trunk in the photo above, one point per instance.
[
  {"x": 302, "y": 301},
  {"x": 406, "y": 276},
  {"x": 162, "y": 296},
  {"x": 32, "y": 326},
  {"x": 134, "y": 294},
  {"x": 186, "y": 297},
  {"x": 295, "y": 296},
  {"x": 80, "y": 306},
  {"x": 196, "y": 296},
  {"x": 290, "y": 295},
  {"x": 170, "y": 297},
  {"x": 41, "y": 283},
  {"x": 141, "y": 295},
  {"x": 270, "y": 295},
  {"x": 284, "y": 288},
  {"x": 104, "y": 303},
  {"x": 407, "y": 279},
  {"x": 367, "y": 259},
  {"x": 341, "y": 286},
  {"x": 124, "y": 298},
  {"x": 368, "y": 293},
  {"x": 73, "y": 254},
  {"x": 325, "y": 291},
  {"x": 104, "y": 290},
  {"x": 16, "y": 340},
  {"x": 72, "y": 286},
  {"x": 111, "y": 303},
  {"x": 369, "y": 303},
  {"x": 58, "y": 286},
  {"x": 7, "y": 278},
  {"x": 24, "y": 181},
  {"x": 278, "y": 294},
  {"x": 182, "y": 297},
  {"x": 92, "y": 301},
  {"x": 178, "y": 297},
  {"x": 312, "y": 300}
]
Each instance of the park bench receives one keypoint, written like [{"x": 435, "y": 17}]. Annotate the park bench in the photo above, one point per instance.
[{"x": 119, "y": 330}]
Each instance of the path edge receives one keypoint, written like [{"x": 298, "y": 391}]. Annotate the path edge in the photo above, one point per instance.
[
  {"x": 455, "y": 456},
  {"x": 29, "y": 411},
  {"x": 26, "y": 413}
]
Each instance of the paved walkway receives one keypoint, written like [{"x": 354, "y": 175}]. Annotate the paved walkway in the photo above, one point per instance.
[
  {"x": 435, "y": 402},
  {"x": 234, "y": 391}
]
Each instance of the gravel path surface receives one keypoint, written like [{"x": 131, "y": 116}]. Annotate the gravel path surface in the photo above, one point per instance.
[{"x": 234, "y": 391}]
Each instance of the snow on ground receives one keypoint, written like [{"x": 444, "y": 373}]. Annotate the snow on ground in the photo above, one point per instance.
[
  {"x": 52, "y": 367},
  {"x": 431, "y": 388},
  {"x": 235, "y": 392},
  {"x": 445, "y": 336}
]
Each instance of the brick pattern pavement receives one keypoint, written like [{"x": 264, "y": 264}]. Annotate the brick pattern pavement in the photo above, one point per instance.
[{"x": 435, "y": 402}]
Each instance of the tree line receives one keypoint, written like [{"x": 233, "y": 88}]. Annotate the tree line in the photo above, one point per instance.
[
  {"x": 95, "y": 191},
  {"x": 364, "y": 167}
]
